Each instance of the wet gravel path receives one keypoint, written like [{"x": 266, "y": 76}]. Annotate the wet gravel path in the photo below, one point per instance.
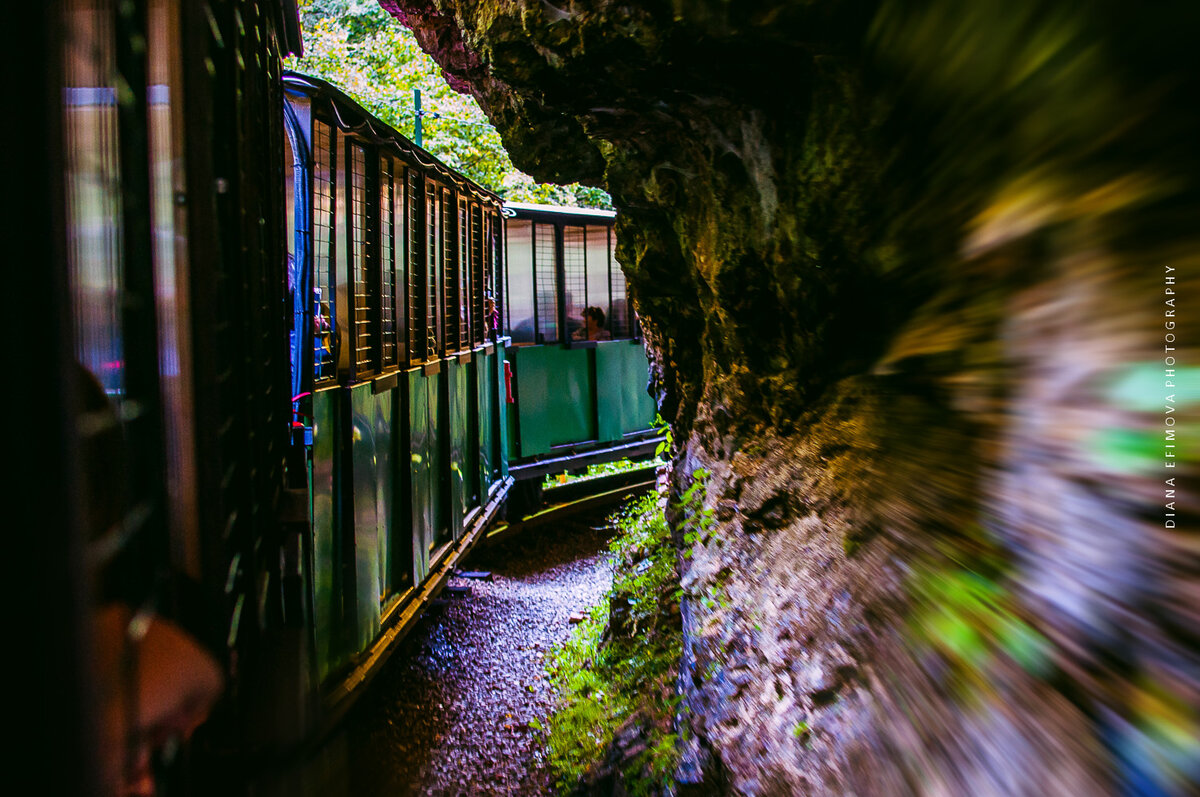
[{"x": 450, "y": 713}]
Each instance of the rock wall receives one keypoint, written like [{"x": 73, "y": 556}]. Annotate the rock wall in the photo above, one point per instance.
[{"x": 906, "y": 272}]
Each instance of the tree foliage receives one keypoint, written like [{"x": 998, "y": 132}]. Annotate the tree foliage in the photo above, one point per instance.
[{"x": 362, "y": 50}]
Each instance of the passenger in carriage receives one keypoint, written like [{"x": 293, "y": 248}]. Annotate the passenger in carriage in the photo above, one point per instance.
[{"x": 593, "y": 326}]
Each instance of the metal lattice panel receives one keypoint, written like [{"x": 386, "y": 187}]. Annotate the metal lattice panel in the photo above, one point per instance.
[
  {"x": 463, "y": 283},
  {"x": 546, "y": 278},
  {"x": 574, "y": 277},
  {"x": 366, "y": 333},
  {"x": 478, "y": 322},
  {"x": 433, "y": 253},
  {"x": 387, "y": 263},
  {"x": 324, "y": 362},
  {"x": 417, "y": 335}
]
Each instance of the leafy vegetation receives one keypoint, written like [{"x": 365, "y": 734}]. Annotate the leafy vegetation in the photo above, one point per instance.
[
  {"x": 667, "y": 447},
  {"x": 602, "y": 469},
  {"x": 361, "y": 49},
  {"x": 619, "y": 665}
]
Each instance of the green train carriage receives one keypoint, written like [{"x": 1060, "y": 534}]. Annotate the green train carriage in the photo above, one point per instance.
[
  {"x": 399, "y": 430},
  {"x": 580, "y": 398}
]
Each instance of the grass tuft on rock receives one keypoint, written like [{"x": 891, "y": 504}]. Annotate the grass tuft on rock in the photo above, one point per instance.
[{"x": 616, "y": 675}]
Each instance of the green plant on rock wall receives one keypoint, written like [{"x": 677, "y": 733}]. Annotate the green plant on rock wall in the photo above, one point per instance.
[
  {"x": 620, "y": 664},
  {"x": 698, "y": 520}
]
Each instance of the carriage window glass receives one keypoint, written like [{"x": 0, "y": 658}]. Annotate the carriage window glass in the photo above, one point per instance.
[
  {"x": 546, "y": 282},
  {"x": 400, "y": 256},
  {"x": 450, "y": 266},
  {"x": 387, "y": 263},
  {"x": 597, "y": 272},
  {"x": 478, "y": 323},
  {"x": 433, "y": 264},
  {"x": 343, "y": 321},
  {"x": 520, "y": 281},
  {"x": 492, "y": 228},
  {"x": 365, "y": 333},
  {"x": 465, "y": 266},
  {"x": 324, "y": 366},
  {"x": 417, "y": 338},
  {"x": 93, "y": 194},
  {"x": 575, "y": 281},
  {"x": 493, "y": 275},
  {"x": 619, "y": 320}
]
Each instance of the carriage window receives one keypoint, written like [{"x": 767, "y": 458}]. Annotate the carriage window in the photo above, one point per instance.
[
  {"x": 574, "y": 281},
  {"x": 433, "y": 265},
  {"x": 387, "y": 264},
  {"x": 546, "y": 282},
  {"x": 619, "y": 321},
  {"x": 324, "y": 365},
  {"x": 478, "y": 323},
  {"x": 450, "y": 267},
  {"x": 366, "y": 333},
  {"x": 400, "y": 255},
  {"x": 597, "y": 274},
  {"x": 520, "y": 281},
  {"x": 493, "y": 266},
  {"x": 417, "y": 337},
  {"x": 465, "y": 266},
  {"x": 343, "y": 321}
]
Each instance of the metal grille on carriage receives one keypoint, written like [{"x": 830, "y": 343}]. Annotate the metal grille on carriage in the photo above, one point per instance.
[
  {"x": 546, "y": 281},
  {"x": 366, "y": 331},
  {"x": 463, "y": 281},
  {"x": 619, "y": 321},
  {"x": 324, "y": 153},
  {"x": 387, "y": 259},
  {"x": 450, "y": 267},
  {"x": 418, "y": 344},
  {"x": 478, "y": 322},
  {"x": 433, "y": 254},
  {"x": 575, "y": 281}
]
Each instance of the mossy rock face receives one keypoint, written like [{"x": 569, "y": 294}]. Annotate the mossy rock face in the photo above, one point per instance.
[{"x": 903, "y": 272}]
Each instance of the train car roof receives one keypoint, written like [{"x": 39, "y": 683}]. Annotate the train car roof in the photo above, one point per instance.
[
  {"x": 352, "y": 117},
  {"x": 530, "y": 210}
]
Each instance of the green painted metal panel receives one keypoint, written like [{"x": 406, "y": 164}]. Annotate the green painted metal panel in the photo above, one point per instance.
[
  {"x": 392, "y": 498},
  {"x": 437, "y": 455},
  {"x": 457, "y": 421},
  {"x": 557, "y": 397},
  {"x": 485, "y": 385},
  {"x": 502, "y": 415},
  {"x": 364, "y": 485},
  {"x": 623, "y": 405},
  {"x": 420, "y": 473},
  {"x": 512, "y": 435},
  {"x": 326, "y": 592},
  {"x": 471, "y": 479}
]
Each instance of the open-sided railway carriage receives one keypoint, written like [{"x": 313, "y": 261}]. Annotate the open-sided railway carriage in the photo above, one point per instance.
[
  {"x": 580, "y": 398},
  {"x": 396, "y": 367},
  {"x": 285, "y": 408}
]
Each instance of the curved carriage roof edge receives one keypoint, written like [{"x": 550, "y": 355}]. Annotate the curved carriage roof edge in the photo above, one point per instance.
[
  {"x": 531, "y": 210},
  {"x": 376, "y": 130}
]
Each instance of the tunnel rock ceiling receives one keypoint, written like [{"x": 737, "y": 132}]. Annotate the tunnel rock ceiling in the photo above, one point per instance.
[{"x": 902, "y": 275}]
